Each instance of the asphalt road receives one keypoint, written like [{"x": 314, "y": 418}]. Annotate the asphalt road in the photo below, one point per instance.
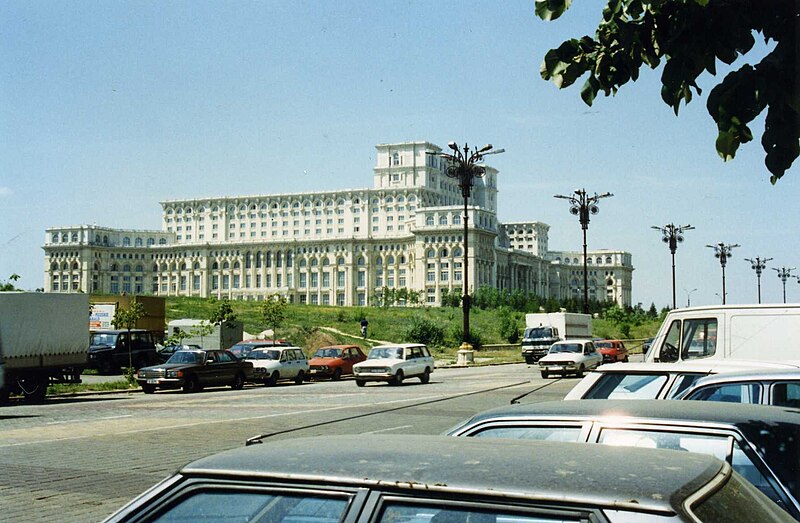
[{"x": 79, "y": 459}]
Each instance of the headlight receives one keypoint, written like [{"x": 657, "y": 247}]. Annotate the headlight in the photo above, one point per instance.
[
  {"x": 324, "y": 367},
  {"x": 260, "y": 370},
  {"x": 174, "y": 373}
]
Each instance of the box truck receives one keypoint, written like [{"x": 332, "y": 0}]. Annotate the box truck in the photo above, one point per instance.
[{"x": 542, "y": 329}]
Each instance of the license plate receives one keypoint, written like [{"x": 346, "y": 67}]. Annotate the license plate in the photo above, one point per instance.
[
  {"x": 152, "y": 382},
  {"x": 555, "y": 367},
  {"x": 313, "y": 371}
]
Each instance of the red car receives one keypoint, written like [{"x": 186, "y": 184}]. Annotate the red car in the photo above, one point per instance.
[
  {"x": 335, "y": 361},
  {"x": 612, "y": 350}
]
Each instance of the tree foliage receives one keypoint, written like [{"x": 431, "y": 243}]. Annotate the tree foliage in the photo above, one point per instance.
[
  {"x": 273, "y": 312},
  {"x": 222, "y": 312},
  {"x": 126, "y": 319},
  {"x": 690, "y": 36}
]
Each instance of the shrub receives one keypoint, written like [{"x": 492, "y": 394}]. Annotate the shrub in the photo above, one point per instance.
[
  {"x": 423, "y": 330},
  {"x": 508, "y": 326}
]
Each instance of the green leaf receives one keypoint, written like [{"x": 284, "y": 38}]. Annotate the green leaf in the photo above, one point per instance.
[
  {"x": 549, "y": 10},
  {"x": 727, "y": 144},
  {"x": 589, "y": 90}
]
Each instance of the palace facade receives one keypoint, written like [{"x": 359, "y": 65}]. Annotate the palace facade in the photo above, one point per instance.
[{"x": 334, "y": 247}]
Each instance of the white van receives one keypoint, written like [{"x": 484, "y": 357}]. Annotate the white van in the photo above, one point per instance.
[{"x": 742, "y": 332}]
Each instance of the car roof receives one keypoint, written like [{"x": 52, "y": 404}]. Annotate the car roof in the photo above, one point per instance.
[
  {"x": 550, "y": 470},
  {"x": 116, "y": 331},
  {"x": 704, "y": 365},
  {"x": 574, "y": 340},
  {"x": 399, "y": 345},
  {"x": 276, "y": 347},
  {"x": 749, "y": 375},
  {"x": 339, "y": 347},
  {"x": 749, "y": 418}
]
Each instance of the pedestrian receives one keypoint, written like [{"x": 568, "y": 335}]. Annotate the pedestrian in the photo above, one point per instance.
[{"x": 364, "y": 324}]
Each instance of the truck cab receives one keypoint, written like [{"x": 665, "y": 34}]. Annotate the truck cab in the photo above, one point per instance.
[{"x": 536, "y": 342}]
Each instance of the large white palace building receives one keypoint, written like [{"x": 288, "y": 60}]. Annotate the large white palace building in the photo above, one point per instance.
[{"x": 334, "y": 247}]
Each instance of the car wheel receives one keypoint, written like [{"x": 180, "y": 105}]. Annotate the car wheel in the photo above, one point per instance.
[
  {"x": 148, "y": 389},
  {"x": 337, "y": 375},
  {"x": 107, "y": 367},
  {"x": 299, "y": 378},
  {"x": 545, "y": 375},
  {"x": 529, "y": 360},
  {"x": 426, "y": 376},
  {"x": 361, "y": 383},
  {"x": 398, "y": 378},
  {"x": 272, "y": 379},
  {"x": 238, "y": 381},
  {"x": 581, "y": 369},
  {"x": 625, "y": 360},
  {"x": 191, "y": 385}
]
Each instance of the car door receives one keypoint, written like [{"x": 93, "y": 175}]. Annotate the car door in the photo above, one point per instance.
[
  {"x": 287, "y": 369},
  {"x": 228, "y": 367},
  {"x": 593, "y": 358}
]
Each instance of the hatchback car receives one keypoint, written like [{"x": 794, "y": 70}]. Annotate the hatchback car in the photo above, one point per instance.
[
  {"x": 761, "y": 443},
  {"x": 192, "y": 370},
  {"x": 570, "y": 357},
  {"x": 656, "y": 380},
  {"x": 335, "y": 361},
  {"x": 272, "y": 364},
  {"x": 428, "y": 479},
  {"x": 766, "y": 387},
  {"x": 394, "y": 363},
  {"x": 612, "y": 350}
]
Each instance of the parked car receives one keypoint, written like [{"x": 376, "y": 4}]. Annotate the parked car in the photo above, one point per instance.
[
  {"x": 394, "y": 363},
  {"x": 760, "y": 442},
  {"x": 765, "y": 386},
  {"x": 335, "y": 361},
  {"x": 192, "y": 370},
  {"x": 570, "y": 357},
  {"x": 108, "y": 350},
  {"x": 166, "y": 352},
  {"x": 657, "y": 380},
  {"x": 613, "y": 351},
  {"x": 427, "y": 479},
  {"x": 271, "y": 364},
  {"x": 243, "y": 348}
]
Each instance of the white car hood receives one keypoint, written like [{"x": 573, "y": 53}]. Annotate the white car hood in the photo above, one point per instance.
[
  {"x": 379, "y": 362},
  {"x": 265, "y": 364},
  {"x": 561, "y": 356}
]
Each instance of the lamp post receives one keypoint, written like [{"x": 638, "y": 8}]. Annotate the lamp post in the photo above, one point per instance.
[
  {"x": 463, "y": 166},
  {"x": 689, "y": 297},
  {"x": 582, "y": 205},
  {"x": 783, "y": 274},
  {"x": 723, "y": 252},
  {"x": 758, "y": 265},
  {"x": 672, "y": 236}
]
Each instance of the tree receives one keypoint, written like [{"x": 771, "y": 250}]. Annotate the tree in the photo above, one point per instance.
[
  {"x": 690, "y": 36},
  {"x": 273, "y": 312},
  {"x": 126, "y": 319},
  {"x": 8, "y": 286},
  {"x": 222, "y": 313}
]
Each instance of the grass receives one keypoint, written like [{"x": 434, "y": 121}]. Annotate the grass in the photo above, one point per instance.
[{"x": 72, "y": 388}]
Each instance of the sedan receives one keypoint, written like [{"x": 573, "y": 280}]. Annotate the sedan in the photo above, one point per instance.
[
  {"x": 765, "y": 386},
  {"x": 191, "y": 370},
  {"x": 427, "y": 479},
  {"x": 761, "y": 443},
  {"x": 335, "y": 361}
]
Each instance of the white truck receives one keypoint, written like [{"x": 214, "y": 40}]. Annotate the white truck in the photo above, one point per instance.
[
  {"x": 207, "y": 335},
  {"x": 44, "y": 338},
  {"x": 740, "y": 332},
  {"x": 542, "y": 329}
]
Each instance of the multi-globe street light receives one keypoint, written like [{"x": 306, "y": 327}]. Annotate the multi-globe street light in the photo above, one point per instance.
[
  {"x": 783, "y": 274},
  {"x": 758, "y": 265},
  {"x": 672, "y": 235},
  {"x": 463, "y": 166},
  {"x": 722, "y": 251},
  {"x": 582, "y": 205}
]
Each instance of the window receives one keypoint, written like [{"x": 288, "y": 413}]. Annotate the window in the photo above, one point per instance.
[
  {"x": 786, "y": 394},
  {"x": 627, "y": 386},
  {"x": 729, "y": 393}
]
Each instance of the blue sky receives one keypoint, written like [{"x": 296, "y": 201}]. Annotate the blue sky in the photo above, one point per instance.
[{"x": 107, "y": 108}]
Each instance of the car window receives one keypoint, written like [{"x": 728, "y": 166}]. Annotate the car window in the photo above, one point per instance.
[
  {"x": 699, "y": 338},
  {"x": 729, "y": 392},
  {"x": 566, "y": 347},
  {"x": 717, "y": 445},
  {"x": 225, "y": 357},
  {"x": 744, "y": 465},
  {"x": 786, "y": 394},
  {"x": 434, "y": 512},
  {"x": 228, "y": 505},
  {"x": 627, "y": 386},
  {"x": 683, "y": 382},
  {"x": 669, "y": 350},
  {"x": 544, "y": 433}
]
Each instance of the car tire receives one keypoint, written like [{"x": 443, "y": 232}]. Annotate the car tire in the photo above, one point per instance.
[
  {"x": 272, "y": 379},
  {"x": 581, "y": 369},
  {"x": 337, "y": 375},
  {"x": 361, "y": 383},
  {"x": 397, "y": 379},
  {"x": 545, "y": 375},
  {"x": 529, "y": 360},
  {"x": 426, "y": 376},
  {"x": 625, "y": 360},
  {"x": 148, "y": 389},
  {"x": 298, "y": 380},
  {"x": 107, "y": 368},
  {"x": 238, "y": 381},
  {"x": 191, "y": 385}
]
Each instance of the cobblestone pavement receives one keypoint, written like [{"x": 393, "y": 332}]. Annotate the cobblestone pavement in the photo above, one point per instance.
[{"x": 80, "y": 459}]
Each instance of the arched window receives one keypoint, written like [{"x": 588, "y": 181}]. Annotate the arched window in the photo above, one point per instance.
[
  {"x": 390, "y": 260},
  {"x": 97, "y": 238},
  {"x": 105, "y": 240},
  {"x": 608, "y": 259},
  {"x": 325, "y": 261},
  {"x": 442, "y": 220},
  {"x": 155, "y": 267},
  {"x": 75, "y": 266},
  {"x": 173, "y": 267},
  {"x": 289, "y": 258},
  {"x": 162, "y": 241},
  {"x": 55, "y": 238},
  {"x": 378, "y": 261},
  {"x": 340, "y": 261},
  {"x": 258, "y": 260},
  {"x": 361, "y": 261},
  {"x": 248, "y": 260},
  {"x": 278, "y": 259},
  {"x": 96, "y": 266},
  {"x": 226, "y": 265},
  {"x": 303, "y": 262},
  {"x": 268, "y": 261},
  {"x": 113, "y": 267},
  {"x": 431, "y": 253},
  {"x": 151, "y": 242},
  {"x": 74, "y": 236},
  {"x": 139, "y": 268},
  {"x": 444, "y": 253},
  {"x": 138, "y": 242},
  {"x": 65, "y": 237},
  {"x": 125, "y": 268},
  {"x": 196, "y": 266},
  {"x": 402, "y": 259},
  {"x": 215, "y": 266},
  {"x": 236, "y": 265},
  {"x": 126, "y": 242},
  {"x": 457, "y": 252},
  {"x": 183, "y": 266},
  {"x": 429, "y": 220}
]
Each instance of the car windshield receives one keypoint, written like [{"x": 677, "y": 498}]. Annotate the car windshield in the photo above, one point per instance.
[
  {"x": 380, "y": 353},
  {"x": 265, "y": 354},
  {"x": 538, "y": 332},
  {"x": 241, "y": 351},
  {"x": 328, "y": 353},
  {"x": 104, "y": 339},
  {"x": 603, "y": 345},
  {"x": 185, "y": 356},
  {"x": 566, "y": 347}
]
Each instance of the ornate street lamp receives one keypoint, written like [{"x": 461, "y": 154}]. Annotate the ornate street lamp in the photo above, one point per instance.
[
  {"x": 758, "y": 265},
  {"x": 582, "y": 205},
  {"x": 672, "y": 236},
  {"x": 722, "y": 251},
  {"x": 783, "y": 274},
  {"x": 463, "y": 166}
]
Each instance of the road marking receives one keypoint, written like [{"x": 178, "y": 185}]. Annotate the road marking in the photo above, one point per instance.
[
  {"x": 87, "y": 419},
  {"x": 387, "y": 430}
]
